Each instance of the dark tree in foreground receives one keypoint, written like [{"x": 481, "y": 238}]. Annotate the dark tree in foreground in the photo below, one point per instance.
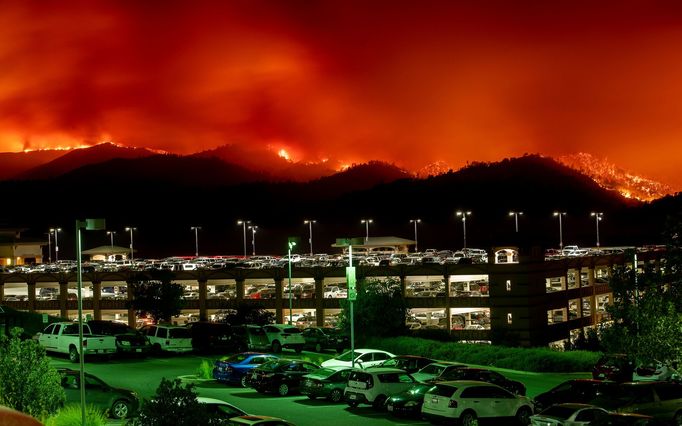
[
  {"x": 161, "y": 299},
  {"x": 174, "y": 405},
  {"x": 27, "y": 381},
  {"x": 379, "y": 311},
  {"x": 248, "y": 313}
]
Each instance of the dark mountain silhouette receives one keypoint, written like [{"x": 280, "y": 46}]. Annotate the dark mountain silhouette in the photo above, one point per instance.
[
  {"x": 77, "y": 158},
  {"x": 13, "y": 164},
  {"x": 164, "y": 195}
]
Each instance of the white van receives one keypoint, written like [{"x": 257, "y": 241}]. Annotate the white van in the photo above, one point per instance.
[{"x": 375, "y": 385}]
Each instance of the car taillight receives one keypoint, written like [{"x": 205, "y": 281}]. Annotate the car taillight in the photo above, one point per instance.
[{"x": 452, "y": 404}]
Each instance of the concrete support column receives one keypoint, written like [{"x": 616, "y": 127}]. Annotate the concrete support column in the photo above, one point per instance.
[
  {"x": 279, "y": 313},
  {"x": 448, "y": 315},
  {"x": 31, "y": 296},
  {"x": 319, "y": 301},
  {"x": 593, "y": 297},
  {"x": 63, "y": 299},
  {"x": 132, "y": 315},
  {"x": 2, "y": 291},
  {"x": 240, "y": 289},
  {"x": 97, "y": 299},
  {"x": 203, "y": 290},
  {"x": 403, "y": 285}
]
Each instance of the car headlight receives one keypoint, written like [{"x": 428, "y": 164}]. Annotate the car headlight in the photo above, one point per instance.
[{"x": 410, "y": 403}]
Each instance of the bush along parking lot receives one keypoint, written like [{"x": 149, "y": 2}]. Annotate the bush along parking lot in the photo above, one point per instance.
[{"x": 527, "y": 359}]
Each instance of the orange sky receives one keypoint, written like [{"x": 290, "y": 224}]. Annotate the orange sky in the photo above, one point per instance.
[{"x": 411, "y": 82}]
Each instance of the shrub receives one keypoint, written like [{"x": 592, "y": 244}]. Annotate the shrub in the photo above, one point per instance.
[
  {"x": 528, "y": 359},
  {"x": 27, "y": 381},
  {"x": 205, "y": 370},
  {"x": 71, "y": 415}
]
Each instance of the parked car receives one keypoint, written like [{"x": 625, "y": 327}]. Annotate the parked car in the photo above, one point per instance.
[
  {"x": 436, "y": 371},
  {"x": 363, "y": 358},
  {"x": 468, "y": 401},
  {"x": 220, "y": 409},
  {"x": 128, "y": 339},
  {"x": 234, "y": 369},
  {"x": 374, "y": 386},
  {"x": 616, "y": 367},
  {"x": 489, "y": 376},
  {"x": 168, "y": 338},
  {"x": 408, "y": 363},
  {"x": 321, "y": 338},
  {"x": 408, "y": 402},
  {"x": 62, "y": 337},
  {"x": 118, "y": 403},
  {"x": 284, "y": 336},
  {"x": 657, "y": 371},
  {"x": 250, "y": 338},
  {"x": 568, "y": 414},
  {"x": 327, "y": 383},
  {"x": 251, "y": 420},
  {"x": 575, "y": 390},
  {"x": 282, "y": 376},
  {"x": 212, "y": 337},
  {"x": 661, "y": 400}
]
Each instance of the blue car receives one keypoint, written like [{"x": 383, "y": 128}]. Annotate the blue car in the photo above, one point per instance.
[{"x": 234, "y": 368}]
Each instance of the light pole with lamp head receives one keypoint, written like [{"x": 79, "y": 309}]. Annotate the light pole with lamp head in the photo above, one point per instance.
[
  {"x": 366, "y": 222},
  {"x": 132, "y": 252},
  {"x": 415, "y": 221},
  {"x": 253, "y": 229},
  {"x": 561, "y": 228},
  {"x": 310, "y": 222},
  {"x": 90, "y": 225},
  {"x": 291, "y": 244},
  {"x": 196, "y": 239},
  {"x": 243, "y": 223},
  {"x": 49, "y": 246},
  {"x": 111, "y": 234},
  {"x": 598, "y": 216},
  {"x": 516, "y": 218},
  {"x": 56, "y": 242},
  {"x": 464, "y": 215}
]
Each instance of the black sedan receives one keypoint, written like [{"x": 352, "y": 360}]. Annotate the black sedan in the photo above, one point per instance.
[
  {"x": 575, "y": 390},
  {"x": 483, "y": 375},
  {"x": 409, "y": 363},
  {"x": 282, "y": 376},
  {"x": 409, "y": 402},
  {"x": 326, "y": 383},
  {"x": 118, "y": 403},
  {"x": 321, "y": 338}
]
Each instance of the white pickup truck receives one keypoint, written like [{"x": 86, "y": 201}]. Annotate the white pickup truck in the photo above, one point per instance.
[{"x": 62, "y": 337}]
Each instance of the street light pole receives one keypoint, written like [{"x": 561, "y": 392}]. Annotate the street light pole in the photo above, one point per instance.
[
  {"x": 597, "y": 218},
  {"x": 464, "y": 224},
  {"x": 56, "y": 242},
  {"x": 49, "y": 246},
  {"x": 561, "y": 229},
  {"x": 366, "y": 222},
  {"x": 310, "y": 222},
  {"x": 516, "y": 218},
  {"x": 292, "y": 244},
  {"x": 415, "y": 221},
  {"x": 196, "y": 239},
  {"x": 243, "y": 223},
  {"x": 253, "y": 229},
  {"x": 132, "y": 252},
  {"x": 111, "y": 234}
]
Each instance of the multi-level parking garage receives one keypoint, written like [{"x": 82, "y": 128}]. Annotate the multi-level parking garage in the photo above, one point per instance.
[{"x": 533, "y": 302}]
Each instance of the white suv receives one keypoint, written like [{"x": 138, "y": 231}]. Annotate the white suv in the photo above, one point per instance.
[
  {"x": 375, "y": 385},
  {"x": 468, "y": 400},
  {"x": 168, "y": 338},
  {"x": 284, "y": 336}
]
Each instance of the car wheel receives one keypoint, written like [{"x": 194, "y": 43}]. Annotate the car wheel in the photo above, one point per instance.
[
  {"x": 73, "y": 354},
  {"x": 677, "y": 420},
  {"x": 468, "y": 418},
  {"x": 276, "y": 347},
  {"x": 283, "y": 389},
  {"x": 378, "y": 403},
  {"x": 318, "y": 348},
  {"x": 336, "y": 395},
  {"x": 523, "y": 416},
  {"x": 243, "y": 382},
  {"x": 312, "y": 396},
  {"x": 156, "y": 349},
  {"x": 120, "y": 409}
]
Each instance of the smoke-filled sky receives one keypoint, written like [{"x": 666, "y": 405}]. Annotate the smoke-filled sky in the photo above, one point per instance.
[{"x": 409, "y": 82}]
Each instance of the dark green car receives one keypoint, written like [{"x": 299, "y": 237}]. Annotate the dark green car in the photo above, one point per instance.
[
  {"x": 118, "y": 403},
  {"x": 327, "y": 383},
  {"x": 409, "y": 402}
]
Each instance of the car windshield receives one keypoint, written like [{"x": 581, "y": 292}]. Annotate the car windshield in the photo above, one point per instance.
[
  {"x": 270, "y": 365},
  {"x": 292, "y": 330},
  {"x": 179, "y": 333},
  {"x": 433, "y": 369},
  {"x": 559, "y": 412},
  {"x": 324, "y": 372},
  {"x": 236, "y": 358},
  {"x": 419, "y": 389},
  {"x": 347, "y": 356}
]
